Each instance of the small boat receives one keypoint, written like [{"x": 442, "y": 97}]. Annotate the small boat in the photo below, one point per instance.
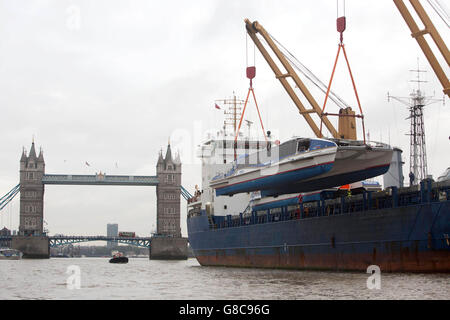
[
  {"x": 60, "y": 255},
  {"x": 288, "y": 163},
  {"x": 118, "y": 257},
  {"x": 10, "y": 254}
]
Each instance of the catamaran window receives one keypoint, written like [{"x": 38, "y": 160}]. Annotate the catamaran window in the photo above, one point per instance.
[{"x": 303, "y": 145}]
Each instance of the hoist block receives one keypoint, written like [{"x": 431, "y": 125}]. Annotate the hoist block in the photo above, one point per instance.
[
  {"x": 340, "y": 23},
  {"x": 251, "y": 72}
]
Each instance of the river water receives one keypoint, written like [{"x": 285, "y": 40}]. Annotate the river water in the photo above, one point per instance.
[{"x": 145, "y": 279}]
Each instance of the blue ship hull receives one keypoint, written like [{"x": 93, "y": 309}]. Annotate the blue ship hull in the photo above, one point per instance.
[{"x": 402, "y": 232}]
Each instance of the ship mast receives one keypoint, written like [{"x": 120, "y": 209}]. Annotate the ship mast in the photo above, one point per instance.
[
  {"x": 418, "y": 167},
  {"x": 233, "y": 114}
]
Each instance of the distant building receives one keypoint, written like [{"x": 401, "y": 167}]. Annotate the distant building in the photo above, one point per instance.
[
  {"x": 5, "y": 232},
  {"x": 112, "y": 230}
]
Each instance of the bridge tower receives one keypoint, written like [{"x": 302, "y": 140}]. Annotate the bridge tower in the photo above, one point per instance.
[
  {"x": 32, "y": 240},
  {"x": 32, "y": 169},
  {"x": 168, "y": 244},
  {"x": 168, "y": 171}
]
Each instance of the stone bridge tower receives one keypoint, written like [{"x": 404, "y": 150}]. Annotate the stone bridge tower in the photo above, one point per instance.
[
  {"x": 168, "y": 171},
  {"x": 32, "y": 169}
]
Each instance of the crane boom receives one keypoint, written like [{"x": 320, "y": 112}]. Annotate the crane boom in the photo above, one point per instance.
[
  {"x": 252, "y": 29},
  {"x": 421, "y": 40}
]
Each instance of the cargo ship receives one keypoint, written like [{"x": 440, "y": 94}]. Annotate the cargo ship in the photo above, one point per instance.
[{"x": 398, "y": 229}]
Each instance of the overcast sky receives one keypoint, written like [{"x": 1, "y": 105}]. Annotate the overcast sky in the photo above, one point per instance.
[{"x": 109, "y": 81}]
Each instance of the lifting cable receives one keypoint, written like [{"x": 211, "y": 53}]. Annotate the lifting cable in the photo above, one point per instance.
[
  {"x": 251, "y": 73},
  {"x": 341, "y": 25},
  {"x": 310, "y": 75},
  {"x": 441, "y": 11}
]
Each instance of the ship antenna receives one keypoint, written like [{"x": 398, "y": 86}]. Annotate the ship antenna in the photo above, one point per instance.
[
  {"x": 234, "y": 112},
  {"x": 249, "y": 124},
  {"x": 415, "y": 103}
]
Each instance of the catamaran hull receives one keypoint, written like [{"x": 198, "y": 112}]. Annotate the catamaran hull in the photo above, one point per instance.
[
  {"x": 283, "y": 174},
  {"x": 352, "y": 164}
]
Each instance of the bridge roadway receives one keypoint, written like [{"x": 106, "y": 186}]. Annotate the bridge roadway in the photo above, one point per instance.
[
  {"x": 99, "y": 179},
  {"x": 56, "y": 241}
]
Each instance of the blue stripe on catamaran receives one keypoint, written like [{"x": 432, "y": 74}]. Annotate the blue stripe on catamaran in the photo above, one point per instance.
[
  {"x": 327, "y": 182},
  {"x": 277, "y": 179}
]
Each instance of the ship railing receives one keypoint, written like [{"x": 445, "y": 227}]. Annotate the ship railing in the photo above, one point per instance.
[
  {"x": 360, "y": 203},
  {"x": 193, "y": 199}
]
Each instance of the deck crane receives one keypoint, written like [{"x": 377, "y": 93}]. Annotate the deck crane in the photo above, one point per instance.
[
  {"x": 347, "y": 127},
  {"x": 419, "y": 35}
]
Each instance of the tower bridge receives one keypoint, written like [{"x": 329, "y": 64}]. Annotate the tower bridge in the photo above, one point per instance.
[
  {"x": 33, "y": 241},
  {"x": 100, "y": 180}
]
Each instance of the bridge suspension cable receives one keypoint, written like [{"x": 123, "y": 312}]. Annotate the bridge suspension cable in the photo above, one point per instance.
[
  {"x": 186, "y": 194},
  {"x": 7, "y": 198}
]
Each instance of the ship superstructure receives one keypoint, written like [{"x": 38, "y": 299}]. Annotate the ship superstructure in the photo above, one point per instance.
[{"x": 218, "y": 153}]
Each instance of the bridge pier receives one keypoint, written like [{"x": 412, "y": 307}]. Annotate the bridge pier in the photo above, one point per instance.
[
  {"x": 32, "y": 247},
  {"x": 168, "y": 248}
]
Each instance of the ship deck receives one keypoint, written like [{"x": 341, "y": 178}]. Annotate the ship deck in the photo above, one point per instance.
[{"x": 394, "y": 197}]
